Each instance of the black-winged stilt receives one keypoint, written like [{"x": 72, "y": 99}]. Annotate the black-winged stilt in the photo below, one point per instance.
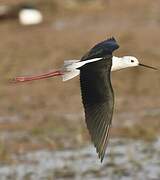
[{"x": 97, "y": 94}]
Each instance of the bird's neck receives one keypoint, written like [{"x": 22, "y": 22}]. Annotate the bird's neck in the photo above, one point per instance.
[{"x": 117, "y": 63}]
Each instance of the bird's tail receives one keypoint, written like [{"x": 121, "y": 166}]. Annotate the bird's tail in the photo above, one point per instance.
[
  {"x": 70, "y": 74},
  {"x": 71, "y": 67},
  {"x": 70, "y": 70}
]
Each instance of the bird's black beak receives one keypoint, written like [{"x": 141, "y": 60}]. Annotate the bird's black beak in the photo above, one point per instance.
[{"x": 147, "y": 66}]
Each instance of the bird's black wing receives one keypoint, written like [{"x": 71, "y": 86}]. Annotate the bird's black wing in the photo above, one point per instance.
[
  {"x": 101, "y": 49},
  {"x": 98, "y": 101}
]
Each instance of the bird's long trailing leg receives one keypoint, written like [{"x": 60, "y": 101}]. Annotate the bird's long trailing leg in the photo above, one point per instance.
[{"x": 21, "y": 79}]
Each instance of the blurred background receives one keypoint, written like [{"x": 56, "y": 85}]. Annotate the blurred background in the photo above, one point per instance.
[{"x": 43, "y": 134}]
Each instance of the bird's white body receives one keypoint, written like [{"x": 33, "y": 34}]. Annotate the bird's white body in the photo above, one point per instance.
[
  {"x": 70, "y": 67},
  {"x": 30, "y": 17}
]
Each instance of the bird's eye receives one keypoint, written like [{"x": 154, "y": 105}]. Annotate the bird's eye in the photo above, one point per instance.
[{"x": 132, "y": 61}]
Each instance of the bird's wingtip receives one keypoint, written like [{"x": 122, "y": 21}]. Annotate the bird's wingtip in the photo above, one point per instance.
[{"x": 111, "y": 38}]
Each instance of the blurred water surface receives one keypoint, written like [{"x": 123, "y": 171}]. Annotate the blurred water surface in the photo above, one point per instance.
[{"x": 126, "y": 159}]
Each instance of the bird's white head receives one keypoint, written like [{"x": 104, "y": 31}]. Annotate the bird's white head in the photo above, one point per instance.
[
  {"x": 125, "y": 62},
  {"x": 130, "y": 61}
]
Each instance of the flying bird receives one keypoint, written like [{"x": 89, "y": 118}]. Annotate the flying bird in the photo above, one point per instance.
[{"x": 97, "y": 93}]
